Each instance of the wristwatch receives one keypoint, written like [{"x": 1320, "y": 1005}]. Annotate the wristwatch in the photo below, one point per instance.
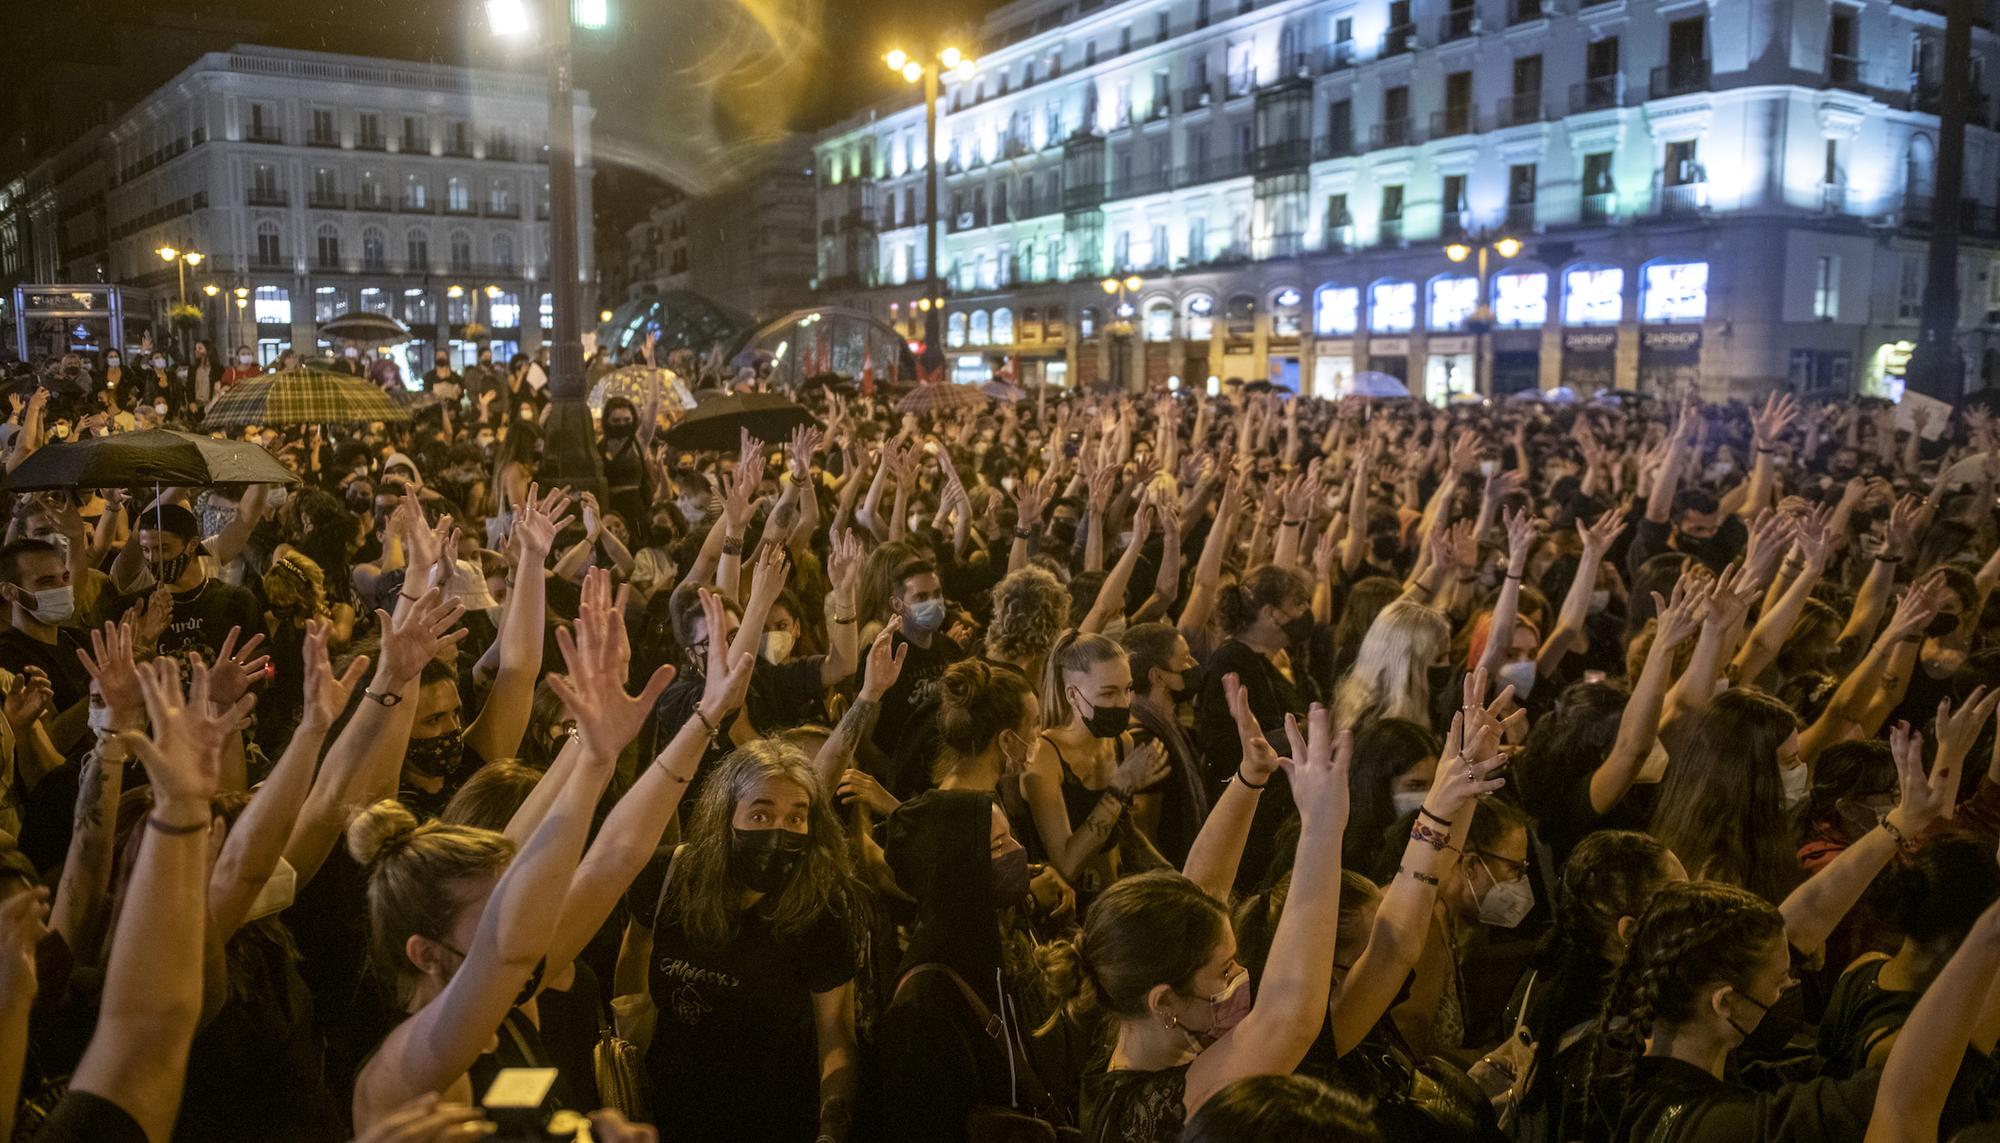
[{"x": 387, "y": 700}]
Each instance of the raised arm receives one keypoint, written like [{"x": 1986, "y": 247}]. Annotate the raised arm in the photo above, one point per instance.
[
  {"x": 82, "y": 894},
  {"x": 1849, "y": 711},
  {"x": 1918, "y": 1077},
  {"x": 1775, "y": 625},
  {"x": 235, "y": 535},
  {"x": 1167, "y": 581},
  {"x": 1766, "y": 427},
  {"x": 1208, "y": 570},
  {"x": 1569, "y": 634},
  {"x": 23, "y": 924},
  {"x": 885, "y": 666},
  {"x": 1110, "y": 602},
  {"x": 843, "y": 642},
  {"x": 1217, "y": 851},
  {"x": 503, "y": 718},
  {"x": 138, "y": 1052},
  {"x": 1906, "y": 520},
  {"x": 1507, "y": 608}
]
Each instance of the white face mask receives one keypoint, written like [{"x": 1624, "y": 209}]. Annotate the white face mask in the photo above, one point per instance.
[
  {"x": 1008, "y": 483},
  {"x": 1408, "y": 802},
  {"x": 160, "y": 408},
  {"x": 352, "y": 353},
  {"x": 1599, "y": 601},
  {"x": 1488, "y": 467},
  {"x": 245, "y": 359},
  {"x": 1519, "y": 674},
  {"x": 100, "y": 719},
  {"x": 778, "y": 646},
  {"x": 1798, "y": 781},
  {"x": 53, "y": 605},
  {"x": 1507, "y": 903},
  {"x": 159, "y": 363},
  {"x": 112, "y": 361},
  {"x": 277, "y": 893}
]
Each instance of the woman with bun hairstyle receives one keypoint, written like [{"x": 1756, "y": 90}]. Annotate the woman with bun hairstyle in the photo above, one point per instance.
[
  {"x": 1158, "y": 955},
  {"x": 988, "y": 720},
  {"x": 469, "y": 923},
  {"x": 751, "y": 959},
  {"x": 1084, "y": 774}
]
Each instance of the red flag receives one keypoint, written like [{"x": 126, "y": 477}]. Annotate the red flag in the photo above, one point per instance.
[{"x": 868, "y": 375}]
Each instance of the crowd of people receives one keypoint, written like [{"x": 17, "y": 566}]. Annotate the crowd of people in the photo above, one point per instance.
[{"x": 1137, "y": 768}]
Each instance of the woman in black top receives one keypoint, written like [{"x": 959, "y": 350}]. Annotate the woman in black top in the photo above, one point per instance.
[{"x": 627, "y": 483}]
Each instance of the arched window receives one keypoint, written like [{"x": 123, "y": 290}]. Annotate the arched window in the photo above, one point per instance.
[
  {"x": 461, "y": 250},
  {"x": 1159, "y": 323},
  {"x": 1392, "y": 307},
  {"x": 1199, "y": 314},
  {"x": 1672, "y": 291},
  {"x": 1336, "y": 311},
  {"x": 503, "y": 251},
  {"x": 1287, "y": 305},
  {"x": 328, "y": 239},
  {"x": 981, "y": 331},
  {"x": 270, "y": 245},
  {"x": 1241, "y": 316},
  {"x": 1452, "y": 302},
  {"x": 1086, "y": 323},
  {"x": 374, "y": 249},
  {"x": 1003, "y": 326},
  {"x": 1593, "y": 295},
  {"x": 954, "y": 330},
  {"x": 1521, "y": 299},
  {"x": 417, "y": 250}
]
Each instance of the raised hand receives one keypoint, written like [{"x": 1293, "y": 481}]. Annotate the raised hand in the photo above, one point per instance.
[
  {"x": 726, "y": 680},
  {"x": 1922, "y": 799},
  {"x": 182, "y": 753},
  {"x": 767, "y": 581},
  {"x": 1260, "y": 758},
  {"x": 1915, "y": 609},
  {"x": 235, "y": 670},
  {"x": 1907, "y": 518},
  {"x": 536, "y": 523},
  {"x": 593, "y": 517},
  {"x": 111, "y": 664},
  {"x": 844, "y": 558},
  {"x": 1502, "y": 484},
  {"x": 1030, "y": 497},
  {"x": 1521, "y": 530},
  {"x": 1958, "y": 730},
  {"x": 885, "y": 661},
  {"x": 1770, "y": 422},
  {"x": 1463, "y": 775},
  {"x": 1463, "y": 538},
  {"x": 861, "y": 786},
  {"x": 799, "y": 452},
  {"x": 416, "y": 633},
  {"x": 1318, "y": 770},
  {"x": 1733, "y": 594},
  {"x": 599, "y": 656},
  {"x": 1142, "y": 767},
  {"x": 739, "y": 502},
  {"x": 1598, "y": 537},
  {"x": 23, "y": 923},
  {"x": 1681, "y": 616}
]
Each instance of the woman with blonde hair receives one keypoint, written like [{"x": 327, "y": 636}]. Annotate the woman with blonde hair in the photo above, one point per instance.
[{"x": 1391, "y": 676}]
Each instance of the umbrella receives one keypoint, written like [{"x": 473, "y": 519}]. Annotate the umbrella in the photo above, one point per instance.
[
  {"x": 637, "y": 384},
  {"x": 303, "y": 397},
  {"x": 717, "y": 425},
  {"x": 1369, "y": 383},
  {"x": 365, "y": 329},
  {"x": 152, "y": 456},
  {"x": 940, "y": 396},
  {"x": 1004, "y": 393},
  {"x": 1262, "y": 386}
]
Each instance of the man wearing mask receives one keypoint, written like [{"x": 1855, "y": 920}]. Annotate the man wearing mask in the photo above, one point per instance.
[
  {"x": 443, "y": 382},
  {"x": 918, "y": 600},
  {"x": 241, "y": 369},
  {"x": 1690, "y": 521},
  {"x": 201, "y": 608},
  {"x": 482, "y": 378},
  {"x": 629, "y": 488},
  {"x": 349, "y": 361},
  {"x": 34, "y": 580}
]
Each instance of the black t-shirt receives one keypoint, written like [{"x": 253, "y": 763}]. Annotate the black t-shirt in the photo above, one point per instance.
[
  {"x": 201, "y": 618},
  {"x": 915, "y": 687},
  {"x": 20, "y": 650},
  {"x": 734, "y": 1053},
  {"x": 85, "y": 1118},
  {"x": 1687, "y": 1104},
  {"x": 781, "y": 695}
]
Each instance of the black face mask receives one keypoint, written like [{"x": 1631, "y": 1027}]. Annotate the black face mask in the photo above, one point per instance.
[
  {"x": 1299, "y": 629},
  {"x": 1063, "y": 531},
  {"x": 1010, "y": 878},
  {"x": 1437, "y": 678},
  {"x": 1782, "y": 1020},
  {"x": 1714, "y": 550},
  {"x": 1108, "y": 721},
  {"x": 1384, "y": 548},
  {"x": 171, "y": 569},
  {"x": 442, "y": 756},
  {"x": 1191, "y": 680},
  {"x": 765, "y": 860},
  {"x": 618, "y": 430},
  {"x": 1942, "y": 624}
]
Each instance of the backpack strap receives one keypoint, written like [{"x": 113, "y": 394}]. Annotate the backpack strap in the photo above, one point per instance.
[{"x": 995, "y": 1029}]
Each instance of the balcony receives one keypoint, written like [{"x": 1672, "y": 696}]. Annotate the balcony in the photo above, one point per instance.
[
  {"x": 1598, "y": 93},
  {"x": 1335, "y": 146},
  {"x": 1458, "y": 24},
  {"x": 462, "y": 209},
  {"x": 1239, "y": 85},
  {"x": 1399, "y": 40},
  {"x": 267, "y": 196},
  {"x": 371, "y": 143},
  {"x": 1454, "y": 224},
  {"x": 1212, "y": 170},
  {"x": 408, "y": 205},
  {"x": 503, "y": 210},
  {"x": 862, "y": 218},
  {"x": 1143, "y": 182},
  {"x": 1393, "y": 133},
  {"x": 316, "y": 139},
  {"x": 1285, "y": 155},
  {"x": 1453, "y": 121},
  {"x": 1917, "y": 211},
  {"x": 1833, "y": 198},
  {"x": 1528, "y": 11},
  {"x": 1681, "y": 76},
  {"x": 264, "y": 135},
  {"x": 1197, "y": 97},
  {"x": 1684, "y": 198},
  {"x": 1520, "y": 218},
  {"x": 326, "y": 200},
  {"x": 1334, "y": 57},
  {"x": 968, "y": 219},
  {"x": 374, "y": 202},
  {"x": 1083, "y": 196},
  {"x": 502, "y": 152},
  {"x": 1279, "y": 246},
  {"x": 1600, "y": 209},
  {"x": 1389, "y": 232},
  {"x": 411, "y": 145},
  {"x": 1520, "y": 109},
  {"x": 1339, "y": 235},
  {"x": 1844, "y": 72},
  {"x": 1926, "y": 93},
  {"x": 458, "y": 149}
]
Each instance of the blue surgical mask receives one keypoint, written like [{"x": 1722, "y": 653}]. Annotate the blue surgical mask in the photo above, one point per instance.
[{"x": 925, "y": 616}]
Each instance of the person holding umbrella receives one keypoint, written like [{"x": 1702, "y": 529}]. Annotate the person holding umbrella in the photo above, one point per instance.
[
  {"x": 202, "y": 610},
  {"x": 349, "y": 361}
]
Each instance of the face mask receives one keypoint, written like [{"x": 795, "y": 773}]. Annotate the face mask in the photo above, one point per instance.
[
  {"x": 1437, "y": 678},
  {"x": 1507, "y": 903},
  {"x": 277, "y": 893},
  {"x": 1063, "y": 532},
  {"x": 100, "y": 719},
  {"x": 764, "y": 860},
  {"x": 1519, "y": 674},
  {"x": 618, "y": 430},
  {"x": 53, "y": 605},
  {"x": 1599, "y": 601},
  {"x": 778, "y": 646},
  {"x": 1008, "y": 484},
  {"x": 926, "y": 616},
  {"x": 1299, "y": 629},
  {"x": 1010, "y": 878},
  {"x": 245, "y": 359},
  {"x": 1942, "y": 624},
  {"x": 1408, "y": 802},
  {"x": 1781, "y": 1021},
  {"x": 1226, "y": 1009},
  {"x": 1797, "y": 781},
  {"x": 1488, "y": 467},
  {"x": 1010, "y": 763},
  {"x": 159, "y": 363},
  {"x": 160, "y": 408},
  {"x": 1384, "y": 548},
  {"x": 351, "y": 353},
  {"x": 112, "y": 362},
  {"x": 1104, "y": 721},
  {"x": 442, "y": 756},
  {"x": 1191, "y": 681},
  {"x": 171, "y": 569}
]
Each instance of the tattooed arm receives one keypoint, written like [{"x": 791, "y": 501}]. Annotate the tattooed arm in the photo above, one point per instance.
[
  {"x": 79, "y": 912},
  {"x": 838, "y": 753}
]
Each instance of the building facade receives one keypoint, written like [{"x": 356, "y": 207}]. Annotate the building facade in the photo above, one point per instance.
[
  {"x": 325, "y": 184},
  {"x": 1733, "y": 193}
]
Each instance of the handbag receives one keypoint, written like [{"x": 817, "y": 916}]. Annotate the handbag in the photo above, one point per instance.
[
  {"x": 616, "y": 1063},
  {"x": 1042, "y": 1120}
]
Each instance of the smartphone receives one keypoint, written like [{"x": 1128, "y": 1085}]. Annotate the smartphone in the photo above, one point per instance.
[{"x": 1593, "y": 676}]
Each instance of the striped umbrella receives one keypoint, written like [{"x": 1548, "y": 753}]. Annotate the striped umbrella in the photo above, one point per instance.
[
  {"x": 936, "y": 397},
  {"x": 637, "y": 384},
  {"x": 303, "y": 397}
]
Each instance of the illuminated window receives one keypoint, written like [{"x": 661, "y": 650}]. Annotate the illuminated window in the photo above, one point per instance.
[
  {"x": 1674, "y": 291},
  {"x": 1521, "y": 298},
  {"x": 1337, "y": 311},
  {"x": 1392, "y": 307},
  {"x": 1285, "y": 307},
  {"x": 1452, "y": 302},
  {"x": 981, "y": 331},
  {"x": 1593, "y": 296},
  {"x": 954, "y": 330},
  {"x": 1200, "y": 317},
  {"x": 547, "y": 311},
  {"x": 1826, "y": 287},
  {"x": 273, "y": 305},
  {"x": 1003, "y": 326},
  {"x": 374, "y": 300},
  {"x": 506, "y": 311},
  {"x": 1159, "y": 321},
  {"x": 328, "y": 303},
  {"x": 418, "y": 309}
]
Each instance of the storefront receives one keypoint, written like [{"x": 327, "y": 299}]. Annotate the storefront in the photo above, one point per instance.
[
  {"x": 1517, "y": 361},
  {"x": 1390, "y": 355},
  {"x": 1590, "y": 359},
  {"x": 1333, "y": 367},
  {"x": 1670, "y": 361},
  {"x": 1449, "y": 368},
  {"x": 54, "y": 320}
]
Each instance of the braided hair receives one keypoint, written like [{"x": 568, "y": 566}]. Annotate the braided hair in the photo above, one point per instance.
[{"x": 1693, "y": 936}]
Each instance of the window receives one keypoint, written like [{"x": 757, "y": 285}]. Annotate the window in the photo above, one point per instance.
[
  {"x": 1593, "y": 296},
  {"x": 1521, "y": 183},
  {"x": 1453, "y": 204},
  {"x": 371, "y": 189},
  {"x": 368, "y": 131},
  {"x": 1681, "y": 168},
  {"x": 1674, "y": 291},
  {"x": 1527, "y": 104},
  {"x": 416, "y": 192},
  {"x": 500, "y": 201},
  {"x": 1159, "y": 322},
  {"x": 981, "y": 332},
  {"x": 324, "y": 131},
  {"x": 1826, "y": 287},
  {"x": 374, "y": 300},
  {"x": 1086, "y": 323},
  {"x": 264, "y": 125},
  {"x": 457, "y": 195},
  {"x": 1200, "y": 317},
  {"x": 1337, "y": 312},
  {"x": 1160, "y": 27},
  {"x": 1453, "y": 301},
  {"x": 417, "y": 250},
  {"x": 1910, "y": 286},
  {"x": 457, "y": 139},
  {"x": 1343, "y": 30},
  {"x": 1830, "y": 175},
  {"x": 461, "y": 250},
  {"x": 1521, "y": 298},
  {"x": 328, "y": 247},
  {"x": 1597, "y": 173},
  {"x": 264, "y": 184},
  {"x": 506, "y": 311},
  {"x": 328, "y": 303},
  {"x": 954, "y": 330},
  {"x": 326, "y": 184},
  {"x": 546, "y": 311},
  {"x": 270, "y": 246},
  {"x": 503, "y": 251},
  {"x": 272, "y": 305},
  {"x": 1600, "y": 58},
  {"x": 418, "y": 308},
  {"x": 458, "y": 310},
  {"x": 415, "y": 139},
  {"x": 1125, "y": 39},
  {"x": 374, "y": 254},
  {"x": 1458, "y": 102},
  {"x": 1392, "y": 307}
]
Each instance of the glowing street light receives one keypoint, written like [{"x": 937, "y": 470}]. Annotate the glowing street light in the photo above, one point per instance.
[
  {"x": 951, "y": 58},
  {"x": 604, "y": 317},
  {"x": 914, "y": 70},
  {"x": 454, "y": 291},
  {"x": 508, "y": 17},
  {"x": 897, "y": 59},
  {"x": 211, "y": 289},
  {"x": 1506, "y": 246},
  {"x": 167, "y": 253}
]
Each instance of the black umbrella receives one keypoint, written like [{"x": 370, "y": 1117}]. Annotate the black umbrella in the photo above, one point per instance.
[
  {"x": 158, "y": 457},
  {"x": 717, "y": 425},
  {"x": 365, "y": 329}
]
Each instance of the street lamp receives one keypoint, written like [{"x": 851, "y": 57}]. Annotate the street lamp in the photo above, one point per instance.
[
  {"x": 1505, "y": 246},
  {"x": 1120, "y": 325},
  {"x": 242, "y": 300},
  {"x": 948, "y": 59},
  {"x": 181, "y": 259}
]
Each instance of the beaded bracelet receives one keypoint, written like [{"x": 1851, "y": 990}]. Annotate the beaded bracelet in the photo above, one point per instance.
[
  {"x": 1902, "y": 839},
  {"x": 1421, "y": 832}
]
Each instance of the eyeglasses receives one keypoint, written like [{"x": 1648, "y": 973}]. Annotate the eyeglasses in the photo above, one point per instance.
[{"x": 1515, "y": 869}]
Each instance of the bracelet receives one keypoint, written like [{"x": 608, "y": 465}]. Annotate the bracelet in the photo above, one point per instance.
[
  {"x": 1764, "y": 449},
  {"x": 706, "y": 724},
  {"x": 1419, "y": 587},
  {"x": 1122, "y": 797},
  {"x": 1247, "y": 783},
  {"x": 1421, "y": 832},
  {"x": 1425, "y": 810},
  {"x": 1292, "y": 523},
  {"x": 1419, "y": 875},
  {"x": 1514, "y": 575},
  {"x": 840, "y": 618},
  {"x": 732, "y": 547},
  {"x": 1888, "y": 559},
  {"x": 1024, "y": 533},
  {"x": 1903, "y": 840},
  {"x": 410, "y": 598},
  {"x": 174, "y": 830},
  {"x": 1468, "y": 578}
]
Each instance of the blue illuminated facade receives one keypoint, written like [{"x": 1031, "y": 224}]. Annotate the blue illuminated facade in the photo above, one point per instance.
[{"x": 1731, "y": 193}]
